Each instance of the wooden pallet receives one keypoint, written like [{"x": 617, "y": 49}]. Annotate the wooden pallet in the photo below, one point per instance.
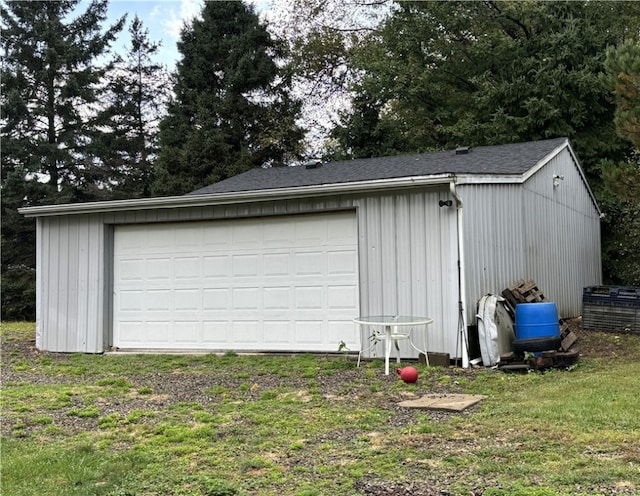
[
  {"x": 523, "y": 292},
  {"x": 529, "y": 292}
]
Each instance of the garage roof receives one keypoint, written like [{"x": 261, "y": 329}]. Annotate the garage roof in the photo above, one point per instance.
[
  {"x": 510, "y": 159},
  {"x": 502, "y": 163}
]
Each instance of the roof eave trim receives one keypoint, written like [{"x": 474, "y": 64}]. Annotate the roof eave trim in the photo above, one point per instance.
[
  {"x": 546, "y": 159},
  {"x": 576, "y": 162},
  {"x": 583, "y": 176},
  {"x": 511, "y": 178},
  {"x": 212, "y": 199},
  {"x": 462, "y": 179}
]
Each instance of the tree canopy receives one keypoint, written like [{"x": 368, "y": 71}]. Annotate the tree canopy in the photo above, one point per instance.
[
  {"x": 621, "y": 247},
  {"x": 231, "y": 110},
  {"x": 51, "y": 87},
  {"x": 623, "y": 64},
  {"x": 443, "y": 74}
]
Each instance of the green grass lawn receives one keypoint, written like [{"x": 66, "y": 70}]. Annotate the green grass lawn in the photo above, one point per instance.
[{"x": 76, "y": 424}]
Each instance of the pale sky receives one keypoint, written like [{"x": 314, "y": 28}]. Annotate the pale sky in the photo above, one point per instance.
[{"x": 164, "y": 20}]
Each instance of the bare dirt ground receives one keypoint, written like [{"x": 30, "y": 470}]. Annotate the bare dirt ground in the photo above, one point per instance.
[{"x": 183, "y": 386}]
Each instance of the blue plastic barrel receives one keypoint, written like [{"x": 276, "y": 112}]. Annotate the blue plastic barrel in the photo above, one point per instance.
[{"x": 537, "y": 320}]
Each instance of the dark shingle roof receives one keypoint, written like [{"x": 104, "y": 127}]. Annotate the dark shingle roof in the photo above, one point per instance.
[{"x": 511, "y": 159}]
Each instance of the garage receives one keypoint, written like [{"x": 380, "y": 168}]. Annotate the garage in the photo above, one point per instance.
[
  {"x": 278, "y": 283},
  {"x": 282, "y": 259}
]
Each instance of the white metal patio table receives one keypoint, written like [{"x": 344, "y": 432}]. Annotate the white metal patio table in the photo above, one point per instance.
[{"x": 392, "y": 328}]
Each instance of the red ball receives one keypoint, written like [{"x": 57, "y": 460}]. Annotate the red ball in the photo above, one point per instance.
[{"x": 408, "y": 374}]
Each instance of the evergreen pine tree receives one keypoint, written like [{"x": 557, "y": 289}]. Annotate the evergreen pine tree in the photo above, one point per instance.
[
  {"x": 623, "y": 65},
  {"x": 231, "y": 109},
  {"x": 127, "y": 141},
  {"x": 50, "y": 87},
  {"x": 621, "y": 196}
]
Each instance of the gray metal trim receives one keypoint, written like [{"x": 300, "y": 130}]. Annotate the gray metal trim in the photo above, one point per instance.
[
  {"x": 107, "y": 318},
  {"x": 232, "y": 198}
]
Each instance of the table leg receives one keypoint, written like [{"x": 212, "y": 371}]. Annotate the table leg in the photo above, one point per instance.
[
  {"x": 426, "y": 348},
  {"x": 424, "y": 345},
  {"x": 387, "y": 349}
]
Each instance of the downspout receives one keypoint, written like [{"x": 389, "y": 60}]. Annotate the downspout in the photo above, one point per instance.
[{"x": 462, "y": 315}]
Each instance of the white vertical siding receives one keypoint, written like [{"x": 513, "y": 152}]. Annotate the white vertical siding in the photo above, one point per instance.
[
  {"x": 533, "y": 231},
  {"x": 70, "y": 284},
  {"x": 562, "y": 234},
  {"x": 493, "y": 240},
  {"x": 408, "y": 262},
  {"x": 42, "y": 296},
  {"x": 407, "y": 259}
]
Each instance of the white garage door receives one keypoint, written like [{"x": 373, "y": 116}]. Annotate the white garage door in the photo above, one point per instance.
[{"x": 286, "y": 283}]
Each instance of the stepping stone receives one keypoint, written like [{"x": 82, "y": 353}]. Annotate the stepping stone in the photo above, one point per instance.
[{"x": 450, "y": 402}]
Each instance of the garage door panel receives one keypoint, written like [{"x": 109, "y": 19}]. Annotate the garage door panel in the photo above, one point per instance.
[
  {"x": 309, "y": 231},
  {"x": 343, "y": 330},
  {"x": 134, "y": 241},
  {"x": 309, "y": 297},
  {"x": 342, "y": 262},
  {"x": 156, "y": 239},
  {"x": 158, "y": 269},
  {"x": 287, "y": 283},
  {"x": 245, "y": 299},
  {"x": 132, "y": 301},
  {"x": 159, "y": 333},
  {"x": 186, "y": 333},
  {"x": 342, "y": 297},
  {"x": 277, "y": 234},
  {"x": 216, "y": 333},
  {"x": 215, "y": 299},
  {"x": 132, "y": 269},
  {"x": 187, "y": 267},
  {"x": 310, "y": 332},
  {"x": 276, "y": 264},
  {"x": 245, "y": 332},
  {"x": 159, "y": 300},
  {"x": 341, "y": 228},
  {"x": 217, "y": 236},
  {"x": 217, "y": 266},
  {"x": 309, "y": 263},
  {"x": 277, "y": 333},
  {"x": 245, "y": 265},
  {"x": 276, "y": 298},
  {"x": 186, "y": 300},
  {"x": 132, "y": 331},
  {"x": 188, "y": 237},
  {"x": 245, "y": 235}
]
